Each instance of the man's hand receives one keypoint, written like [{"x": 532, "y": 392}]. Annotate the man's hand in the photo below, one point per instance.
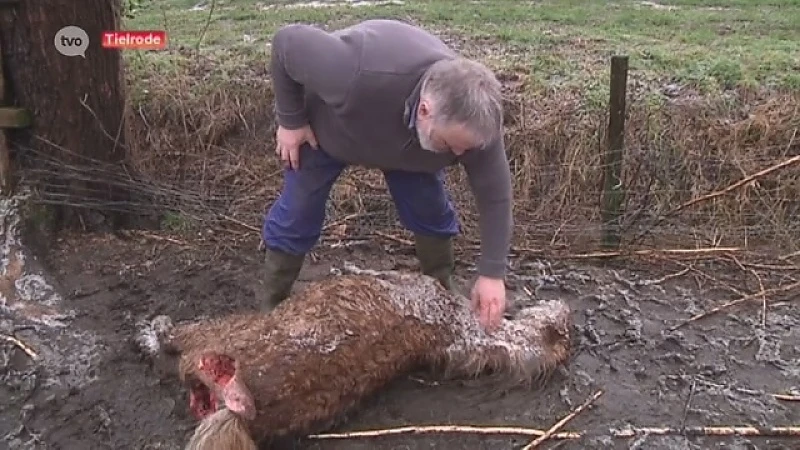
[
  {"x": 289, "y": 142},
  {"x": 489, "y": 301}
]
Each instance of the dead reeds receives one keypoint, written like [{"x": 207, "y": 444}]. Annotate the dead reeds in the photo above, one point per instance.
[{"x": 202, "y": 146}]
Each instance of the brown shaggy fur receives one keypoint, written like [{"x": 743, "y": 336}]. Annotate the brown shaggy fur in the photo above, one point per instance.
[
  {"x": 326, "y": 348},
  {"x": 222, "y": 430}
]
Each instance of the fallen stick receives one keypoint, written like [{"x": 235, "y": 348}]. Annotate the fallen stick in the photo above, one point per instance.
[
  {"x": 444, "y": 429},
  {"x": 397, "y": 239},
  {"x": 29, "y": 351},
  {"x": 783, "y": 397},
  {"x": 648, "y": 252},
  {"x": 760, "y": 285},
  {"x": 786, "y": 267},
  {"x": 711, "y": 431},
  {"x": 346, "y": 219},
  {"x": 612, "y": 254},
  {"x": 558, "y": 425},
  {"x": 241, "y": 224},
  {"x": 565, "y": 435},
  {"x": 710, "y": 278},
  {"x": 740, "y": 183},
  {"x": 665, "y": 278},
  {"x": 763, "y": 293},
  {"x": 157, "y": 237},
  {"x": 789, "y": 256}
]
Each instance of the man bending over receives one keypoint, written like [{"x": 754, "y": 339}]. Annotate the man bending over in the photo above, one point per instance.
[{"x": 384, "y": 94}]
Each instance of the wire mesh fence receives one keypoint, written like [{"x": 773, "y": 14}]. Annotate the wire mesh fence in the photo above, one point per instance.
[{"x": 202, "y": 146}]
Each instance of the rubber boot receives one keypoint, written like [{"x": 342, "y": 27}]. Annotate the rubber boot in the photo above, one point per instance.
[
  {"x": 436, "y": 259},
  {"x": 280, "y": 272}
]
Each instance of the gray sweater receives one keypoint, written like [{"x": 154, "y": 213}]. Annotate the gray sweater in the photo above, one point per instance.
[{"x": 357, "y": 86}]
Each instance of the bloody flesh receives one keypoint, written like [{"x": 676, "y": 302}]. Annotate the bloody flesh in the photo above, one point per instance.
[
  {"x": 220, "y": 370},
  {"x": 202, "y": 402}
]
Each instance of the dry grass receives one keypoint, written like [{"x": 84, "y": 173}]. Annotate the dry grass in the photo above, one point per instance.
[
  {"x": 203, "y": 128},
  {"x": 219, "y": 145}
]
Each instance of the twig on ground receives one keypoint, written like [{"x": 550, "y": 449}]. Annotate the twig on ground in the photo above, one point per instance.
[
  {"x": 666, "y": 278},
  {"x": 528, "y": 292},
  {"x": 746, "y": 298},
  {"x": 711, "y": 431},
  {"x": 558, "y": 425},
  {"x": 623, "y": 253},
  {"x": 740, "y": 183},
  {"x": 688, "y": 403},
  {"x": 772, "y": 267},
  {"x": 339, "y": 222},
  {"x": 694, "y": 252},
  {"x": 433, "y": 429},
  {"x": 763, "y": 303},
  {"x": 399, "y": 240},
  {"x": 346, "y": 219},
  {"x": 783, "y": 397},
  {"x": 667, "y": 251},
  {"x": 346, "y": 244},
  {"x": 157, "y": 237},
  {"x": 519, "y": 431},
  {"x": 760, "y": 287},
  {"x": 240, "y": 223},
  {"x": 24, "y": 347},
  {"x": 789, "y": 256},
  {"x": 711, "y": 279},
  {"x": 651, "y": 282}
]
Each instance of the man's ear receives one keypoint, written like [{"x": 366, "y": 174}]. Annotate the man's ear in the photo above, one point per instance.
[{"x": 424, "y": 108}]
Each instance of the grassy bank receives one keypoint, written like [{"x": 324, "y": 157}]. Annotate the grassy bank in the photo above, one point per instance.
[
  {"x": 713, "y": 95},
  {"x": 711, "y": 43}
]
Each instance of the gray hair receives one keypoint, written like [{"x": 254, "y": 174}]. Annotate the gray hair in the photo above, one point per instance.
[{"x": 465, "y": 92}]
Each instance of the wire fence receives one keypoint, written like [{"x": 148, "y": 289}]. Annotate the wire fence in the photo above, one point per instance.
[{"x": 202, "y": 137}]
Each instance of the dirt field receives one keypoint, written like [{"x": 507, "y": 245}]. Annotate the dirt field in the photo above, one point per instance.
[
  {"x": 90, "y": 389},
  {"x": 72, "y": 379}
]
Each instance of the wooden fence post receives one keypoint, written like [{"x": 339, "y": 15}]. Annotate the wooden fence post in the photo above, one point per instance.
[
  {"x": 613, "y": 190},
  {"x": 9, "y": 118}
]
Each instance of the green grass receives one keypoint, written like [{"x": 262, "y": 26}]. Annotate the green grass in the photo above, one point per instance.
[{"x": 710, "y": 44}]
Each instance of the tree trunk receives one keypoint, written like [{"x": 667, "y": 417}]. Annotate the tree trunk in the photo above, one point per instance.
[{"x": 74, "y": 152}]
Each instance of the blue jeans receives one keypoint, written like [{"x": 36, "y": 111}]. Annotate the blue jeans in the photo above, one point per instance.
[{"x": 294, "y": 222}]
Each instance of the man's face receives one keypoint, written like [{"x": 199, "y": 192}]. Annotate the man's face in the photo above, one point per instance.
[{"x": 442, "y": 137}]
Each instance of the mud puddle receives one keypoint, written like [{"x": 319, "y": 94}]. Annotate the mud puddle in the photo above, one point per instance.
[{"x": 89, "y": 388}]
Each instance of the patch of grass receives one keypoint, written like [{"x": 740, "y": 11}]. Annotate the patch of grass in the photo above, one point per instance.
[
  {"x": 175, "y": 222},
  {"x": 711, "y": 44}
]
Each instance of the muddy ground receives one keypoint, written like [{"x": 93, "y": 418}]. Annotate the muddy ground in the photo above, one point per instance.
[{"x": 90, "y": 389}]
